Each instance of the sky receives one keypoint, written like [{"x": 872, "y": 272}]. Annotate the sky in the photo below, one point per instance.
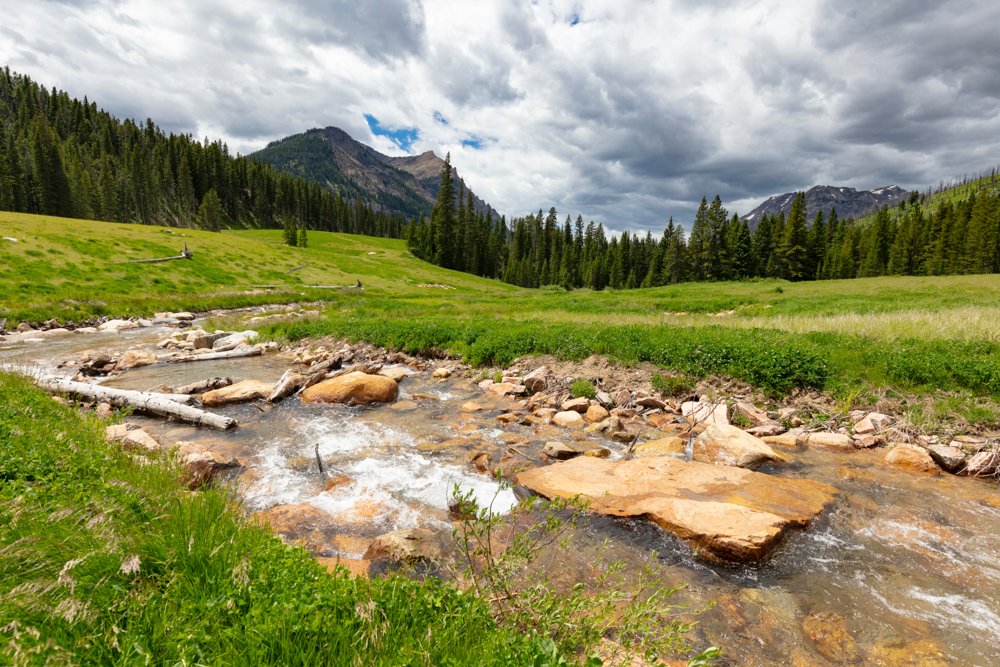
[{"x": 625, "y": 111}]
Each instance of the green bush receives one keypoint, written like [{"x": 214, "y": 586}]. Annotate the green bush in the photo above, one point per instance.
[
  {"x": 673, "y": 385},
  {"x": 582, "y": 389}
]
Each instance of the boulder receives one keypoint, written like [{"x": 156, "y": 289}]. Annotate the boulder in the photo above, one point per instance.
[
  {"x": 723, "y": 444},
  {"x": 405, "y": 546},
  {"x": 201, "y": 465},
  {"x": 234, "y": 340},
  {"x": 701, "y": 412},
  {"x": 983, "y": 464},
  {"x": 355, "y": 388},
  {"x": 827, "y": 440},
  {"x": 441, "y": 373},
  {"x": 132, "y": 437},
  {"x": 24, "y": 327},
  {"x": 506, "y": 389},
  {"x": 873, "y": 422},
  {"x": 285, "y": 519},
  {"x": 727, "y": 514},
  {"x": 204, "y": 341},
  {"x": 604, "y": 398},
  {"x": 595, "y": 413},
  {"x": 567, "y": 450},
  {"x": 135, "y": 359},
  {"x": 650, "y": 402},
  {"x": 580, "y": 405},
  {"x": 240, "y": 392},
  {"x": 786, "y": 439},
  {"x": 948, "y": 457},
  {"x": 912, "y": 458},
  {"x": 114, "y": 326},
  {"x": 750, "y": 411},
  {"x": 671, "y": 446},
  {"x": 568, "y": 419},
  {"x": 536, "y": 380}
]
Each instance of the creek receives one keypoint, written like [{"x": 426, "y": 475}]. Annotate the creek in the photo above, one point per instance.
[{"x": 903, "y": 569}]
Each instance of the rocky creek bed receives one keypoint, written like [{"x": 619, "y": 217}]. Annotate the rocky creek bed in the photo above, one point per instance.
[{"x": 819, "y": 547}]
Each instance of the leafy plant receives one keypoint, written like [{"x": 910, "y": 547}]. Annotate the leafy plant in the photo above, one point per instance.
[
  {"x": 673, "y": 385},
  {"x": 582, "y": 389},
  {"x": 500, "y": 559}
]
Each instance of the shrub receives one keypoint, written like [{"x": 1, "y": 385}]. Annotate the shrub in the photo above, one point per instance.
[
  {"x": 673, "y": 385},
  {"x": 582, "y": 389}
]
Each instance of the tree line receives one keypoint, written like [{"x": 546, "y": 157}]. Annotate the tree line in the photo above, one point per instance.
[
  {"x": 536, "y": 250},
  {"x": 63, "y": 156}
]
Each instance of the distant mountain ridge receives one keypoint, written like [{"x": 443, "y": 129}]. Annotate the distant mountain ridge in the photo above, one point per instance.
[
  {"x": 849, "y": 202},
  {"x": 332, "y": 158}
]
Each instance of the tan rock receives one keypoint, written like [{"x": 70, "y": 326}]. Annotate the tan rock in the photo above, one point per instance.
[
  {"x": 828, "y": 440},
  {"x": 506, "y": 389},
  {"x": 873, "y": 422},
  {"x": 117, "y": 325},
  {"x": 135, "y": 359},
  {"x": 568, "y": 419},
  {"x": 899, "y": 653},
  {"x": 671, "y": 446},
  {"x": 355, "y": 388},
  {"x": 723, "y": 444},
  {"x": 201, "y": 464},
  {"x": 404, "y": 406},
  {"x": 948, "y": 457},
  {"x": 700, "y": 412},
  {"x": 471, "y": 406},
  {"x": 650, "y": 402},
  {"x": 912, "y": 458},
  {"x": 727, "y": 514},
  {"x": 396, "y": 374},
  {"x": 595, "y": 413},
  {"x": 598, "y": 452},
  {"x": 139, "y": 440},
  {"x": 355, "y": 567},
  {"x": 338, "y": 480},
  {"x": 545, "y": 414},
  {"x": 787, "y": 439},
  {"x": 441, "y": 373},
  {"x": 575, "y": 405},
  {"x": 294, "y": 517},
  {"x": 868, "y": 441},
  {"x": 247, "y": 390},
  {"x": 536, "y": 380},
  {"x": 983, "y": 464},
  {"x": 751, "y": 412},
  {"x": 407, "y": 546},
  {"x": 830, "y": 637}
]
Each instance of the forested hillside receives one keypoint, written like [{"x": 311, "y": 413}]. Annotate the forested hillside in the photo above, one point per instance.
[
  {"x": 943, "y": 235},
  {"x": 66, "y": 157}
]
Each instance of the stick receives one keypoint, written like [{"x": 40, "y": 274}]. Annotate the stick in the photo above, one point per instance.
[
  {"x": 185, "y": 254},
  {"x": 319, "y": 461},
  {"x": 141, "y": 401},
  {"x": 294, "y": 269},
  {"x": 254, "y": 351}
]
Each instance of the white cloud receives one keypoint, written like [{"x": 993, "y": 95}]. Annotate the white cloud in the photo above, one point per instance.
[{"x": 629, "y": 116}]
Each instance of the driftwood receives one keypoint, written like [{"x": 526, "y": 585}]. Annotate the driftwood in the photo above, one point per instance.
[
  {"x": 296, "y": 268},
  {"x": 290, "y": 381},
  {"x": 254, "y": 351},
  {"x": 203, "y": 386},
  {"x": 185, "y": 254},
  {"x": 357, "y": 285},
  {"x": 161, "y": 405}
]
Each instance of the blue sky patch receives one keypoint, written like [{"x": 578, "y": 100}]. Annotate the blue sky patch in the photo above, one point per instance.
[
  {"x": 574, "y": 18},
  {"x": 402, "y": 137},
  {"x": 439, "y": 118},
  {"x": 473, "y": 142}
]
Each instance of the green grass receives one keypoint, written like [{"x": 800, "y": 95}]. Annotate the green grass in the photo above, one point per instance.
[{"x": 105, "y": 561}]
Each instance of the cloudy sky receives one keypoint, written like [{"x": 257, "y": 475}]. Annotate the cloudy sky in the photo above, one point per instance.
[{"x": 626, "y": 111}]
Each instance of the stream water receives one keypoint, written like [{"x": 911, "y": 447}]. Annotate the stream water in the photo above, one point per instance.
[{"x": 903, "y": 570}]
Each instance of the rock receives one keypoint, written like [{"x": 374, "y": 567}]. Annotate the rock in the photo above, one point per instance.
[
  {"x": 472, "y": 406},
  {"x": 595, "y": 414},
  {"x": 622, "y": 397},
  {"x": 827, "y": 440},
  {"x": 234, "y": 340},
  {"x": 135, "y": 359},
  {"x": 506, "y": 389},
  {"x": 898, "y": 653},
  {"x": 104, "y": 410},
  {"x": 183, "y": 316},
  {"x": 748, "y": 410},
  {"x": 651, "y": 402},
  {"x": 441, "y": 373},
  {"x": 285, "y": 519},
  {"x": 723, "y": 444},
  {"x": 339, "y": 479},
  {"x": 604, "y": 399},
  {"x": 355, "y": 567},
  {"x": 598, "y": 452},
  {"x": 912, "y": 458},
  {"x": 24, "y": 327},
  {"x": 948, "y": 457},
  {"x": 247, "y": 390},
  {"x": 567, "y": 450},
  {"x": 727, "y": 514},
  {"x": 983, "y": 464},
  {"x": 672, "y": 446},
  {"x": 536, "y": 380},
  {"x": 830, "y": 637},
  {"x": 287, "y": 384},
  {"x": 970, "y": 444},
  {"x": 405, "y": 546},
  {"x": 114, "y": 326},
  {"x": 132, "y": 437},
  {"x": 768, "y": 429},
  {"x": 204, "y": 341},
  {"x": 545, "y": 414},
  {"x": 397, "y": 374},
  {"x": 873, "y": 422},
  {"x": 868, "y": 441},
  {"x": 202, "y": 465},
  {"x": 355, "y": 388},
  {"x": 568, "y": 419},
  {"x": 575, "y": 405},
  {"x": 699, "y": 412}
]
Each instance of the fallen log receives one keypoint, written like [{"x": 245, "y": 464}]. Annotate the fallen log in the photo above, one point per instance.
[
  {"x": 161, "y": 405},
  {"x": 290, "y": 381},
  {"x": 254, "y": 351},
  {"x": 185, "y": 254},
  {"x": 204, "y": 385},
  {"x": 296, "y": 268}
]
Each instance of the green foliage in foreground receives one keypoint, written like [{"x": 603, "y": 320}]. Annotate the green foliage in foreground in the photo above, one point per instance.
[
  {"x": 583, "y": 389},
  {"x": 104, "y": 561}
]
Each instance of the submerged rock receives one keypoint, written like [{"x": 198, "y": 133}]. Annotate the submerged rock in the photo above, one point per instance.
[
  {"x": 723, "y": 444},
  {"x": 912, "y": 458},
  {"x": 727, "y": 514},
  {"x": 135, "y": 359},
  {"x": 355, "y": 388},
  {"x": 670, "y": 446}
]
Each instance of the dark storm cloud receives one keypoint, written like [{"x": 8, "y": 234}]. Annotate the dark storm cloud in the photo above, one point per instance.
[{"x": 382, "y": 29}]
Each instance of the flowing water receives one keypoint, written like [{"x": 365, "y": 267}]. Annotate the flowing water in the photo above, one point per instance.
[{"x": 904, "y": 569}]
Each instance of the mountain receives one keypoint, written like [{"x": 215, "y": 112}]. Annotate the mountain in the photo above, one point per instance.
[
  {"x": 850, "y": 203},
  {"x": 332, "y": 158}
]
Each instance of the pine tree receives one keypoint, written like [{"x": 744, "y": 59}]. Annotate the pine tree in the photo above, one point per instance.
[
  {"x": 210, "y": 216},
  {"x": 794, "y": 251},
  {"x": 303, "y": 239},
  {"x": 443, "y": 218}
]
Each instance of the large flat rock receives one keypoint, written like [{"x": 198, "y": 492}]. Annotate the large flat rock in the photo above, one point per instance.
[{"x": 726, "y": 513}]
